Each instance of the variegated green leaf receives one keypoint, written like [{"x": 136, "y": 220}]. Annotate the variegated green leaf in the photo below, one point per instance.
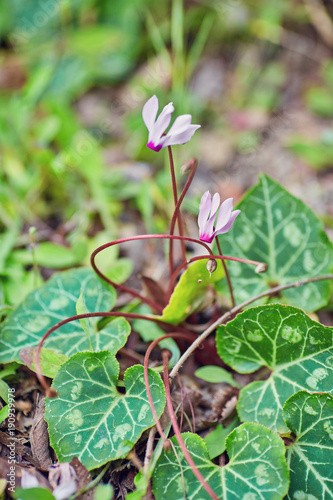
[
  {"x": 256, "y": 469},
  {"x": 55, "y": 301},
  {"x": 90, "y": 419},
  {"x": 310, "y": 457},
  {"x": 297, "y": 350},
  {"x": 276, "y": 228}
]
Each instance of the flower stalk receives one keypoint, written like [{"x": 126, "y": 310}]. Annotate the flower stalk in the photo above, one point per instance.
[
  {"x": 226, "y": 272},
  {"x": 192, "y": 166},
  {"x": 188, "y": 458},
  {"x": 178, "y": 215}
]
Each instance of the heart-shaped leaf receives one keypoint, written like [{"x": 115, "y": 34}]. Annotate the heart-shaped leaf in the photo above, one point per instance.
[
  {"x": 257, "y": 468},
  {"x": 276, "y": 228},
  {"x": 190, "y": 293},
  {"x": 297, "y": 350},
  {"x": 310, "y": 417},
  {"x": 54, "y": 301},
  {"x": 90, "y": 419}
]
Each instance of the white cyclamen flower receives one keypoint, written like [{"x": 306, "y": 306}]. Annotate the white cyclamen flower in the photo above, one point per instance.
[
  {"x": 207, "y": 215},
  {"x": 180, "y": 132}
]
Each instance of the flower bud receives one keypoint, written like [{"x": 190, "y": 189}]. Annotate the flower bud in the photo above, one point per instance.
[
  {"x": 211, "y": 266},
  {"x": 189, "y": 165},
  {"x": 261, "y": 268}
]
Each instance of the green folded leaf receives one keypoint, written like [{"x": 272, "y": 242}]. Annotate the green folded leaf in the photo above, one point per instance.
[
  {"x": 190, "y": 293},
  {"x": 53, "y": 302},
  {"x": 276, "y": 228},
  {"x": 297, "y": 350},
  {"x": 310, "y": 417},
  {"x": 90, "y": 419},
  {"x": 256, "y": 469}
]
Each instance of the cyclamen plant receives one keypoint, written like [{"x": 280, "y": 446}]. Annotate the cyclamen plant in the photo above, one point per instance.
[{"x": 288, "y": 412}]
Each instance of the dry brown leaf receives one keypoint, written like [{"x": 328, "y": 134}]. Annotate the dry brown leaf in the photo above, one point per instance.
[
  {"x": 83, "y": 479},
  {"x": 154, "y": 290},
  {"x": 21, "y": 451},
  {"x": 224, "y": 402},
  {"x": 39, "y": 437}
]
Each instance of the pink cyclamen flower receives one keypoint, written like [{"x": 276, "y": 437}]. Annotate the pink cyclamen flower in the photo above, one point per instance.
[
  {"x": 180, "y": 132},
  {"x": 208, "y": 209}
]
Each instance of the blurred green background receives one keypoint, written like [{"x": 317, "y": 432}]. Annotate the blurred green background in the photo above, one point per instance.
[{"x": 257, "y": 75}]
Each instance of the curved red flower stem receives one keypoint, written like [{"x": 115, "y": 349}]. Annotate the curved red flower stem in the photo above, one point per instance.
[
  {"x": 175, "y": 198},
  {"x": 227, "y": 275},
  {"x": 203, "y": 257},
  {"x": 124, "y": 288},
  {"x": 189, "y": 459},
  {"x": 176, "y": 213},
  {"x": 186, "y": 336},
  {"x": 51, "y": 392}
]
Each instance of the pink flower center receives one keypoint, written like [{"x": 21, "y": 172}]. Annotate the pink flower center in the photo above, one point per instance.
[
  {"x": 206, "y": 237},
  {"x": 152, "y": 146}
]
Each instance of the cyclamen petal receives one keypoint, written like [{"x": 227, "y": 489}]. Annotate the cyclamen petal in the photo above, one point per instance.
[
  {"x": 181, "y": 138},
  {"x": 229, "y": 224},
  {"x": 208, "y": 232},
  {"x": 204, "y": 209},
  {"x": 149, "y": 111},
  {"x": 181, "y": 131},
  {"x": 215, "y": 204},
  {"x": 180, "y": 124},
  {"x": 162, "y": 122},
  {"x": 208, "y": 210},
  {"x": 224, "y": 213}
]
